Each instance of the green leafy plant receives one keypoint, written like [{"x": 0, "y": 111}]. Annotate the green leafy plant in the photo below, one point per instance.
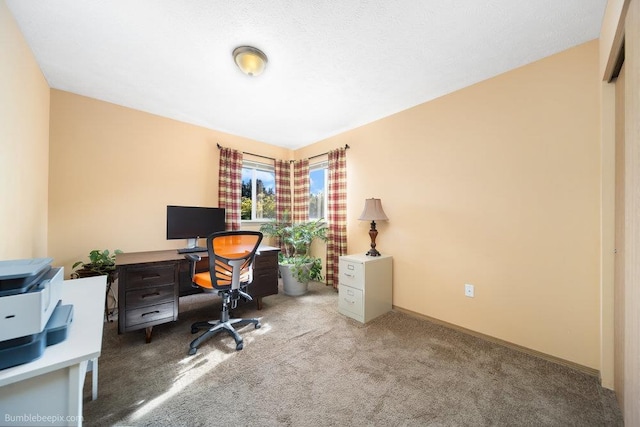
[
  {"x": 295, "y": 240},
  {"x": 100, "y": 262}
]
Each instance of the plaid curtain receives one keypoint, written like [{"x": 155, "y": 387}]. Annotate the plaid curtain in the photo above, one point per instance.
[
  {"x": 300, "y": 191},
  {"x": 336, "y": 213},
  {"x": 283, "y": 189},
  {"x": 230, "y": 186}
]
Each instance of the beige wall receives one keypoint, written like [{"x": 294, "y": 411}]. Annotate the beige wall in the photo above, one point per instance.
[
  {"x": 496, "y": 185},
  {"x": 116, "y": 169},
  {"x": 24, "y": 146}
]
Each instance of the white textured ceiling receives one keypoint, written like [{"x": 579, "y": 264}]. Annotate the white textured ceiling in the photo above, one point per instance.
[{"x": 333, "y": 65}]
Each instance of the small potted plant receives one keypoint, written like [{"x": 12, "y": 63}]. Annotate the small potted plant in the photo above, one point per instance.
[
  {"x": 100, "y": 263},
  {"x": 297, "y": 266}
]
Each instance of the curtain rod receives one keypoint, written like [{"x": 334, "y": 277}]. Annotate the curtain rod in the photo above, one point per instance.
[
  {"x": 346, "y": 147},
  {"x": 251, "y": 154}
]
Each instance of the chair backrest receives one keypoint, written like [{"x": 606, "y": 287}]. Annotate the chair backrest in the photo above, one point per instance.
[{"x": 231, "y": 255}]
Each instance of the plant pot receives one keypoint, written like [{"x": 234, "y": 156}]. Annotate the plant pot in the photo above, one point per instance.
[
  {"x": 87, "y": 272},
  {"x": 290, "y": 284}
]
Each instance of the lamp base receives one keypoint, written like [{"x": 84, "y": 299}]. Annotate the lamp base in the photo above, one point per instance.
[
  {"x": 373, "y": 233},
  {"x": 372, "y": 252}
]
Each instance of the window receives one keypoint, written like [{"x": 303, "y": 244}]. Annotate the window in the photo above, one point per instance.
[
  {"x": 258, "y": 191},
  {"x": 318, "y": 190}
]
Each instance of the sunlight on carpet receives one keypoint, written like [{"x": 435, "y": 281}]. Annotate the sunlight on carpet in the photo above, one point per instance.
[{"x": 193, "y": 367}]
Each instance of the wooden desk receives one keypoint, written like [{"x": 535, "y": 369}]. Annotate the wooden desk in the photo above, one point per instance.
[
  {"x": 51, "y": 387},
  {"x": 150, "y": 284}
]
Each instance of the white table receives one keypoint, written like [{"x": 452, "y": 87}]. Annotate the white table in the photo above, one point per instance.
[{"x": 48, "y": 391}]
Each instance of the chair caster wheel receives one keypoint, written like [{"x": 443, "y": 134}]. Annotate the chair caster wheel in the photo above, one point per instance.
[
  {"x": 239, "y": 346},
  {"x": 194, "y": 330},
  {"x": 258, "y": 325},
  {"x": 192, "y": 351}
]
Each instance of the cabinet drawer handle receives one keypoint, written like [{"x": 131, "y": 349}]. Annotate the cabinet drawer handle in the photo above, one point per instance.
[
  {"x": 151, "y": 312},
  {"x": 348, "y": 275},
  {"x": 152, "y": 294},
  {"x": 150, "y": 276},
  {"x": 349, "y": 301}
]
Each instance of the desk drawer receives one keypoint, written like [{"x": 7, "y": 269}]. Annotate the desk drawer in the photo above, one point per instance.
[
  {"x": 150, "y": 314},
  {"x": 144, "y": 277},
  {"x": 149, "y": 296},
  {"x": 264, "y": 283},
  {"x": 266, "y": 260}
]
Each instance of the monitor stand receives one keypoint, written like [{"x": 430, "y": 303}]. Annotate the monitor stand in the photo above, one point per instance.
[{"x": 192, "y": 247}]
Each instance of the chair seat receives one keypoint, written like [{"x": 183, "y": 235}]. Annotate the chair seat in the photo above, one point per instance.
[{"x": 204, "y": 279}]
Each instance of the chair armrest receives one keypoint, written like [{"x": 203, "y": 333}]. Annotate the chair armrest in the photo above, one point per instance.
[{"x": 193, "y": 257}]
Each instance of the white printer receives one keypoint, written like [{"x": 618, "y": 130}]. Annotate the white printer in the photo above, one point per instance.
[{"x": 31, "y": 314}]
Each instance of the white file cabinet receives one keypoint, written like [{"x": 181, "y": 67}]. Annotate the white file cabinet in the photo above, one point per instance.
[{"x": 365, "y": 287}]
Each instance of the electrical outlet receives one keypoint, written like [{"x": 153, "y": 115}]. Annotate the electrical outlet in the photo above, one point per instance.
[{"x": 468, "y": 290}]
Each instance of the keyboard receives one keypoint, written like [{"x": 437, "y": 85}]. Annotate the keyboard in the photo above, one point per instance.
[{"x": 192, "y": 250}]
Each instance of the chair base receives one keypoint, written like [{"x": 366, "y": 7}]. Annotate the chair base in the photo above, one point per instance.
[{"x": 216, "y": 326}]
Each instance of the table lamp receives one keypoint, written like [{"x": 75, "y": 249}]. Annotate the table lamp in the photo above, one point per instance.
[{"x": 373, "y": 212}]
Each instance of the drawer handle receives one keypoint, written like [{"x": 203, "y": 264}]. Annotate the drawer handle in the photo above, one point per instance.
[
  {"x": 349, "y": 301},
  {"x": 151, "y": 312},
  {"x": 348, "y": 275},
  {"x": 349, "y": 292},
  {"x": 152, "y": 294},
  {"x": 351, "y": 267},
  {"x": 150, "y": 276}
]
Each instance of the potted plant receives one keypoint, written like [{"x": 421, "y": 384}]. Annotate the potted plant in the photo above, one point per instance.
[
  {"x": 100, "y": 263},
  {"x": 297, "y": 266}
]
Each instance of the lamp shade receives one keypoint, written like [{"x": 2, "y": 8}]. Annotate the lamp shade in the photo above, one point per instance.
[
  {"x": 373, "y": 211},
  {"x": 250, "y": 60}
]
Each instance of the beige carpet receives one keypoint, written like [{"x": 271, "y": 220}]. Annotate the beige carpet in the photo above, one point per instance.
[{"x": 310, "y": 366}]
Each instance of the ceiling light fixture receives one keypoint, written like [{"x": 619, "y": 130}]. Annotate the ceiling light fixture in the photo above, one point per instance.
[{"x": 250, "y": 60}]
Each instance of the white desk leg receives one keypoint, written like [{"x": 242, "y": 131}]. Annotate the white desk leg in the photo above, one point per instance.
[
  {"x": 94, "y": 379},
  {"x": 76, "y": 381}
]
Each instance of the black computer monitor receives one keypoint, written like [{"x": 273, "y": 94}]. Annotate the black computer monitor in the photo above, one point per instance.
[{"x": 192, "y": 223}]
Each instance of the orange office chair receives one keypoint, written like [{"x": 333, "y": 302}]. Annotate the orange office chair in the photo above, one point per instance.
[{"x": 231, "y": 255}]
